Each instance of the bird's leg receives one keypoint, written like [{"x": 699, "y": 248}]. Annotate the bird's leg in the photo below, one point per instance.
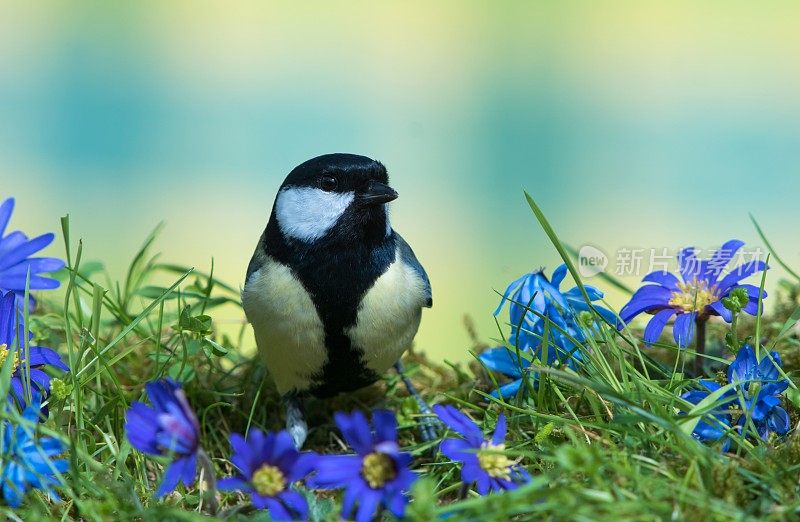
[
  {"x": 295, "y": 422},
  {"x": 428, "y": 422}
]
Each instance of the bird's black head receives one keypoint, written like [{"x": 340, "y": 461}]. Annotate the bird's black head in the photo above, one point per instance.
[{"x": 338, "y": 197}]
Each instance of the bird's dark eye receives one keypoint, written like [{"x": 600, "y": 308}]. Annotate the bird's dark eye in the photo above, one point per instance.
[{"x": 328, "y": 184}]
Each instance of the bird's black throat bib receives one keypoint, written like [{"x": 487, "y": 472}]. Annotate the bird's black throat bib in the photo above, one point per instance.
[{"x": 337, "y": 271}]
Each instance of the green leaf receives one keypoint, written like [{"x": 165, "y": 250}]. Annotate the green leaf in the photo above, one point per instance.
[
  {"x": 200, "y": 324},
  {"x": 216, "y": 348}
]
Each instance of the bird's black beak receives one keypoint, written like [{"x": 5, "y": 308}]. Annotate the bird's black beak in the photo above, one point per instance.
[{"x": 377, "y": 193}]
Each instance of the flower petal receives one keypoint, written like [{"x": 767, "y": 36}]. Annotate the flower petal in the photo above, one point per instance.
[
  {"x": 647, "y": 298},
  {"x": 741, "y": 272},
  {"x": 720, "y": 259},
  {"x": 657, "y": 324},
  {"x": 509, "y": 290},
  {"x": 351, "y": 495},
  {"x": 242, "y": 456},
  {"x": 141, "y": 427},
  {"x": 14, "y": 486},
  {"x": 25, "y": 250},
  {"x": 295, "y": 503},
  {"x": 683, "y": 329},
  {"x": 282, "y": 447},
  {"x": 778, "y": 421},
  {"x": 397, "y": 504},
  {"x": 276, "y": 509},
  {"x": 499, "y": 436},
  {"x": 483, "y": 483},
  {"x": 385, "y": 424},
  {"x": 171, "y": 478},
  {"x": 356, "y": 432},
  {"x": 459, "y": 423},
  {"x": 189, "y": 469},
  {"x": 721, "y": 311},
  {"x": 18, "y": 282},
  {"x": 508, "y": 390},
  {"x": 368, "y": 504},
  {"x": 503, "y": 360},
  {"x": 234, "y": 484},
  {"x": 688, "y": 264},
  {"x": 458, "y": 450},
  {"x": 743, "y": 367},
  {"x": 664, "y": 279},
  {"x": 336, "y": 471},
  {"x": 558, "y": 275},
  {"x": 46, "y": 356},
  {"x": 6, "y": 210}
]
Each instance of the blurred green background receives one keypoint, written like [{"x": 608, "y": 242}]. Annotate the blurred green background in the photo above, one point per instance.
[{"x": 634, "y": 124}]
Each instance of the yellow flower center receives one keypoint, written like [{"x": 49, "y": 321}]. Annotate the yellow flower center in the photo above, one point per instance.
[
  {"x": 4, "y": 355},
  {"x": 494, "y": 462},
  {"x": 378, "y": 469},
  {"x": 268, "y": 480},
  {"x": 694, "y": 296}
]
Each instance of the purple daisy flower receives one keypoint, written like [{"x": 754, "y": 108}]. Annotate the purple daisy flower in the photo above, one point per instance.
[
  {"x": 697, "y": 295},
  {"x": 377, "y": 475},
  {"x": 268, "y": 466},
  {"x": 483, "y": 461},
  {"x": 39, "y": 357},
  {"x": 169, "y": 428},
  {"x": 15, "y": 263}
]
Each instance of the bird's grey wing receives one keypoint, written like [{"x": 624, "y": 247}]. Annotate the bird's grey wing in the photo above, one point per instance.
[
  {"x": 408, "y": 257},
  {"x": 258, "y": 259}
]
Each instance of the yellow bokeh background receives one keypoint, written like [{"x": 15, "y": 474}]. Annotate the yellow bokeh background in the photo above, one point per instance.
[{"x": 633, "y": 124}]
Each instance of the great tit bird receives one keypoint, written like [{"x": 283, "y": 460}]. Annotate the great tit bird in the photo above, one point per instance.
[{"x": 334, "y": 294}]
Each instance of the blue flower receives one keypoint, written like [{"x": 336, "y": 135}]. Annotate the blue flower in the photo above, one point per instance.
[
  {"x": 756, "y": 388},
  {"x": 15, "y": 260},
  {"x": 505, "y": 361},
  {"x": 707, "y": 429},
  {"x": 698, "y": 294},
  {"x": 169, "y": 428},
  {"x": 268, "y": 465},
  {"x": 760, "y": 384},
  {"x": 483, "y": 460},
  {"x": 378, "y": 474},
  {"x": 39, "y": 357},
  {"x": 534, "y": 293},
  {"x": 27, "y": 462},
  {"x": 546, "y": 298}
]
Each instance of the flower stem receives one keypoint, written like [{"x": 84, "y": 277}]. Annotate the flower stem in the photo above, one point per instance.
[
  {"x": 700, "y": 347},
  {"x": 211, "y": 480}
]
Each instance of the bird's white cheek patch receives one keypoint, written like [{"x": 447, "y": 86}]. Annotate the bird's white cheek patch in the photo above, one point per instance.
[{"x": 308, "y": 213}]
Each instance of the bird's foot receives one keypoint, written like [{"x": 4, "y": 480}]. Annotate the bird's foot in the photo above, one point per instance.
[
  {"x": 295, "y": 422},
  {"x": 299, "y": 433},
  {"x": 429, "y": 426},
  {"x": 429, "y": 423}
]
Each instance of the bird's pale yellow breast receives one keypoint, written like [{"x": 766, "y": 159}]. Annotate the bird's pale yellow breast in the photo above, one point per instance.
[
  {"x": 288, "y": 329},
  {"x": 389, "y": 316}
]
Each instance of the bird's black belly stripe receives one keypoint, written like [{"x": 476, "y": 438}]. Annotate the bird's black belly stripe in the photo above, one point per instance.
[
  {"x": 345, "y": 370},
  {"x": 337, "y": 278}
]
